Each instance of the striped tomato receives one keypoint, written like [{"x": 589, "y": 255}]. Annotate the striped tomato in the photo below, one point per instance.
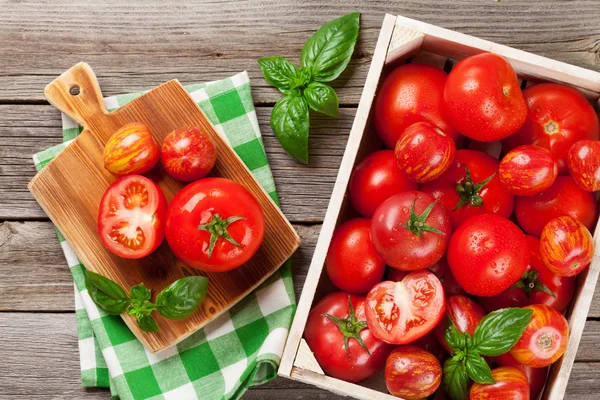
[
  {"x": 412, "y": 373},
  {"x": 188, "y": 154},
  {"x": 131, "y": 150},
  {"x": 528, "y": 170},
  {"x": 511, "y": 384},
  {"x": 584, "y": 164}
]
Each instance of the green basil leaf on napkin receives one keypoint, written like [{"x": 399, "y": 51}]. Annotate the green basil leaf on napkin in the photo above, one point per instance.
[
  {"x": 500, "y": 330},
  {"x": 181, "y": 298},
  {"x": 322, "y": 98},
  {"x": 280, "y": 73},
  {"x": 147, "y": 323},
  {"x": 107, "y": 294},
  {"x": 289, "y": 121}
]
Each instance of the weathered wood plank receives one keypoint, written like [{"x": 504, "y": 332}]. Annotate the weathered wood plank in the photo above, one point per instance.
[{"x": 137, "y": 45}]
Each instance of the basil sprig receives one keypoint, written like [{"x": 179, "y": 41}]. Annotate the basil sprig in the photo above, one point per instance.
[
  {"x": 496, "y": 334},
  {"x": 324, "y": 57},
  {"x": 177, "y": 301}
]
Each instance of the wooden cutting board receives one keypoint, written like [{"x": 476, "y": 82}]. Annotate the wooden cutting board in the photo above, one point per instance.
[{"x": 70, "y": 187}]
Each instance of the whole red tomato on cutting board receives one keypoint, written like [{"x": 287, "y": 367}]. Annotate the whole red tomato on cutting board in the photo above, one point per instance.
[
  {"x": 188, "y": 154},
  {"x": 376, "y": 179},
  {"x": 536, "y": 377},
  {"x": 511, "y": 384},
  {"x": 337, "y": 334},
  {"x": 557, "y": 117},
  {"x": 528, "y": 170},
  {"x": 131, "y": 150},
  {"x": 584, "y": 164},
  {"x": 214, "y": 224},
  {"x": 411, "y": 93},
  {"x": 410, "y": 231},
  {"x": 483, "y": 98},
  {"x": 412, "y": 373},
  {"x": 464, "y": 313},
  {"x": 402, "y": 312},
  {"x": 470, "y": 187},
  {"x": 131, "y": 217}
]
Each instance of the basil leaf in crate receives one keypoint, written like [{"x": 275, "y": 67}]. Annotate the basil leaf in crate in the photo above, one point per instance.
[
  {"x": 147, "y": 323},
  {"x": 500, "y": 330},
  {"x": 452, "y": 336},
  {"x": 456, "y": 379},
  {"x": 478, "y": 369},
  {"x": 322, "y": 98},
  {"x": 289, "y": 121},
  {"x": 107, "y": 294},
  {"x": 281, "y": 73},
  {"x": 180, "y": 299}
]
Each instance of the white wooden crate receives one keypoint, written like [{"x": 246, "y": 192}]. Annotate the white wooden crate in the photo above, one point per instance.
[{"x": 400, "y": 39}]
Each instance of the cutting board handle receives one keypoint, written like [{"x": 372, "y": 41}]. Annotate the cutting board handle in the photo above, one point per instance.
[{"x": 77, "y": 93}]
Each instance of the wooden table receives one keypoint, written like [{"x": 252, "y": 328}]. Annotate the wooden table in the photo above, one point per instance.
[{"x": 133, "y": 46}]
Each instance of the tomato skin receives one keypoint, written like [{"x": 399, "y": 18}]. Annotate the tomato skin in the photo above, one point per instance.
[
  {"x": 483, "y": 99},
  {"x": 327, "y": 342},
  {"x": 131, "y": 150},
  {"x": 352, "y": 262},
  {"x": 402, "y": 312},
  {"x": 412, "y": 373},
  {"x": 536, "y": 377},
  {"x": 188, "y": 154},
  {"x": 431, "y": 344},
  {"x": 508, "y": 298},
  {"x": 564, "y": 197},
  {"x": 399, "y": 246},
  {"x": 528, "y": 170},
  {"x": 557, "y": 117},
  {"x": 511, "y": 384},
  {"x": 411, "y": 93},
  {"x": 200, "y": 203},
  {"x": 495, "y": 198},
  {"x": 440, "y": 269},
  {"x": 545, "y": 339},
  {"x": 584, "y": 164},
  {"x": 424, "y": 152},
  {"x": 376, "y": 179},
  {"x": 566, "y": 246},
  {"x": 135, "y": 201},
  {"x": 464, "y": 313}
]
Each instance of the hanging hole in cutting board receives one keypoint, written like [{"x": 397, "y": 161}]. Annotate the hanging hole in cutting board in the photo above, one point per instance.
[{"x": 74, "y": 90}]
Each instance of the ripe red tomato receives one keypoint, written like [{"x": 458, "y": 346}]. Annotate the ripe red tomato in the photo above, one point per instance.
[
  {"x": 131, "y": 150},
  {"x": 131, "y": 217},
  {"x": 352, "y": 263},
  {"x": 440, "y": 269},
  {"x": 412, "y": 373},
  {"x": 424, "y": 152},
  {"x": 528, "y": 170},
  {"x": 545, "y": 338},
  {"x": 584, "y": 164},
  {"x": 376, "y": 179},
  {"x": 483, "y": 99},
  {"x": 328, "y": 323},
  {"x": 410, "y": 231},
  {"x": 487, "y": 254},
  {"x": 430, "y": 343},
  {"x": 464, "y": 313},
  {"x": 402, "y": 312},
  {"x": 563, "y": 198},
  {"x": 188, "y": 154},
  {"x": 507, "y": 299},
  {"x": 215, "y": 225},
  {"x": 557, "y": 117},
  {"x": 471, "y": 187},
  {"x": 536, "y": 377},
  {"x": 566, "y": 246},
  {"x": 511, "y": 384},
  {"x": 411, "y": 93}
]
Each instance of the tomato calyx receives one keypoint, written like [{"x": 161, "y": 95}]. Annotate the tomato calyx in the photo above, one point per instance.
[
  {"x": 217, "y": 227},
  {"x": 416, "y": 223},
  {"x": 350, "y": 327},
  {"x": 469, "y": 191},
  {"x": 529, "y": 282}
]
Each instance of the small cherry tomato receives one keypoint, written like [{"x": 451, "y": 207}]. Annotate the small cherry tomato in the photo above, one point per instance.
[
  {"x": 131, "y": 150},
  {"x": 131, "y": 217},
  {"x": 411, "y": 93},
  {"x": 487, "y": 254},
  {"x": 412, "y": 373},
  {"x": 507, "y": 299},
  {"x": 402, "y": 312},
  {"x": 376, "y": 179},
  {"x": 410, "y": 231},
  {"x": 544, "y": 340},
  {"x": 337, "y": 334},
  {"x": 511, "y": 384},
  {"x": 464, "y": 313},
  {"x": 564, "y": 197},
  {"x": 424, "y": 152},
  {"x": 352, "y": 263},
  {"x": 188, "y": 154},
  {"x": 483, "y": 99},
  {"x": 536, "y": 377},
  {"x": 528, "y": 170},
  {"x": 566, "y": 246},
  {"x": 584, "y": 164},
  {"x": 557, "y": 117}
]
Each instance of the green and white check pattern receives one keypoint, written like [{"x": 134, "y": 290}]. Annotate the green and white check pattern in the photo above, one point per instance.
[{"x": 241, "y": 348}]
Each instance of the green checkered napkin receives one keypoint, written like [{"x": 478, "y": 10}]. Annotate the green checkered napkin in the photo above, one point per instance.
[{"x": 242, "y": 347}]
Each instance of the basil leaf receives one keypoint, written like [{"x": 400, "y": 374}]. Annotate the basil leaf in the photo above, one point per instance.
[
  {"x": 181, "y": 298},
  {"x": 107, "y": 294},
  {"x": 289, "y": 121},
  {"x": 280, "y": 73},
  {"x": 500, "y": 330},
  {"x": 478, "y": 369},
  {"x": 456, "y": 379},
  {"x": 140, "y": 292},
  {"x": 452, "y": 336},
  {"x": 328, "y": 51},
  {"x": 322, "y": 98},
  {"x": 147, "y": 323}
]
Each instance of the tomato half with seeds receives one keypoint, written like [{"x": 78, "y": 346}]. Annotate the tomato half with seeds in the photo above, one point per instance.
[
  {"x": 511, "y": 384},
  {"x": 584, "y": 164},
  {"x": 536, "y": 377},
  {"x": 545, "y": 339},
  {"x": 188, "y": 154},
  {"x": 464, "y": 313},
  {"x": 412, "y": 373},
  {"x": 131, "y": 217},
  {"x": 402, "y": 312},
  {"x": 528, "y": 170},
  {"x": 131, "y": 150}
]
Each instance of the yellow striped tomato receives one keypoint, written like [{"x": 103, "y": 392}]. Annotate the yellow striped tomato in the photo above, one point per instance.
[
  {"x": 412, "y": 373},
  {"x": 566, "y": 246},
  {"x": 528, "y": 170},
  {"x": 131, "y": 150},
  {"x": 584, "y": 164},
  {"x": 511, "y": 384}
]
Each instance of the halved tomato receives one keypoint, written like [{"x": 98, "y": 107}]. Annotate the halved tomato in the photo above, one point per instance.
[
  {"x": 402, "y": 312},
  {"x": 131, "y": 217}
]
